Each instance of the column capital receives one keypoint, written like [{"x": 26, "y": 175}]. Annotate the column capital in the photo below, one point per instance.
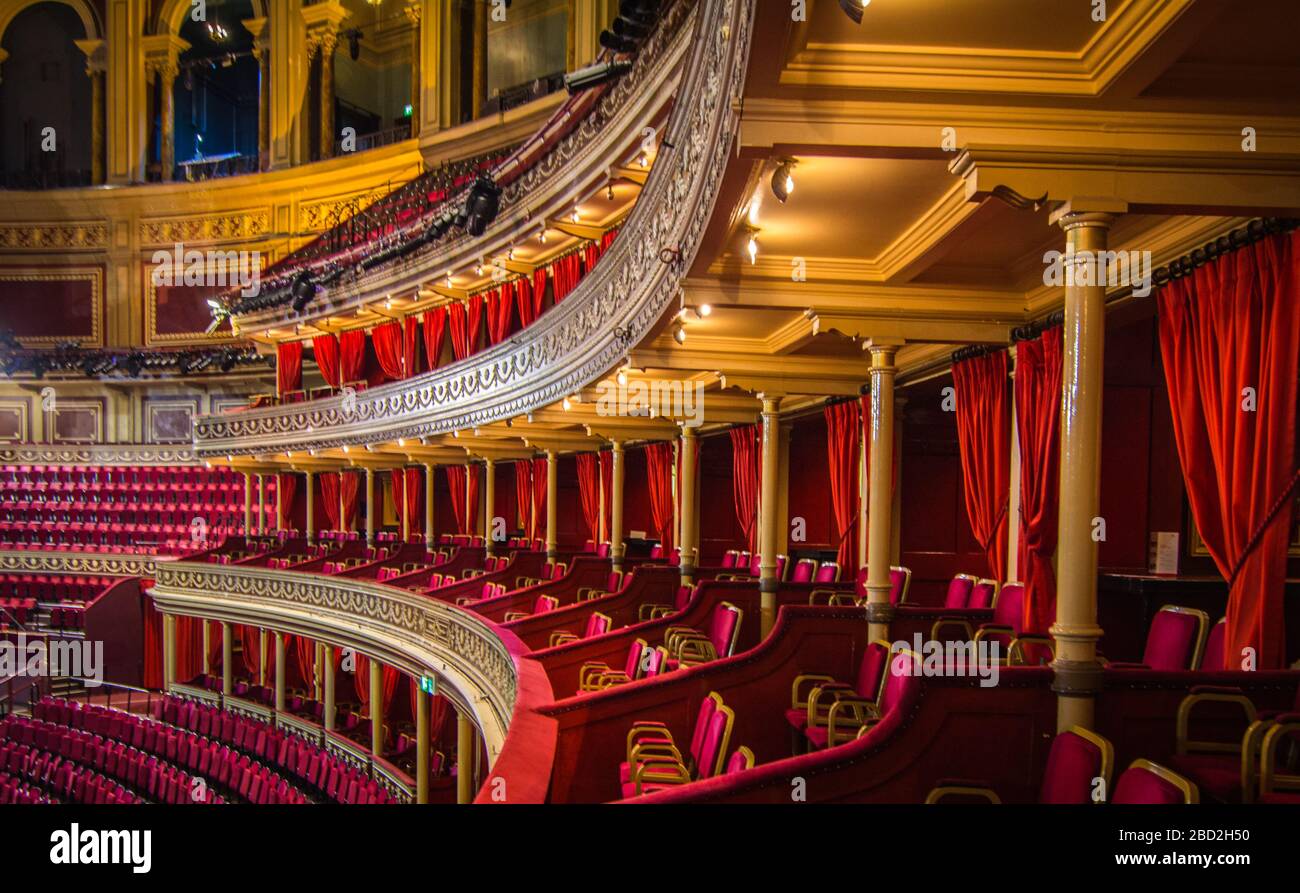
[
  {"x": 162, "y": 55},
  {"x": 1071, "y": 216},
  {"x": 96, "y": 56},
  {"x": 322, "y": 21},
  {"x": 412, "y": 12}
]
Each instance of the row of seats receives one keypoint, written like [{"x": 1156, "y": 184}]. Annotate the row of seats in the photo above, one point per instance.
[
  {"x": 41, "y": 477},
  {"x": 252, "y": 781},
  {"x": 146, "y": 774},
  {"x": 14, "y": 790},
  {"x": 21, "y": 593},
  {"x": 67, "y": 780},
  {"x": 655, "y": 762},
  {"x": 328, "y": 774},
  {"x": 683, "y": 646}
]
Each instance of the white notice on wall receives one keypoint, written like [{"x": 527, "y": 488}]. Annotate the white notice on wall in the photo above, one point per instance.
[{"x": 1163, "y": 555}]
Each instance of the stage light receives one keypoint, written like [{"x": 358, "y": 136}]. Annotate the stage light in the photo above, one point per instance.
[
  {"x": 594, "y": 75},
  {"x": 302, "y": 290},
  {"x": 679, "y": 333},
  {"x": 482, "y": 205}
]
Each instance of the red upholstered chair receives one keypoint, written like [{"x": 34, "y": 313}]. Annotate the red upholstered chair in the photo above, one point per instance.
[
  {"x": 543, "y": 604},
  {"x": 729, "y": 558},
  {"x": 900, "y": 580},
  {"x": 655, "y": 762},
  {"x": 1145, "y": 782},
  {"x": 1212, "y": 658},
  {"x": 959, "y": 590},
  {"x": 688, "y": 646},
  {"x": 850, "y": 716},
  {"x": 827, "y": 572},
  {"x": 813, "y": 693},
  {"x": 1275, "y": 787},
  {"x": 741, "y": 758},
  {"x": 597, "y": 625},
  {"x": 1174, "y": 641},
  {"x": 595, "y": 675},
  {"x": 983, "y": 594},
  {"x": 803, "y": 571}
]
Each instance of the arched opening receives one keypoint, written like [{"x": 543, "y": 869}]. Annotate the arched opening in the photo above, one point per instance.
[
  {"x": 46, "y": 101},
  {"x": 216, "y": 95},
  {"x": 372, "y": 75}
]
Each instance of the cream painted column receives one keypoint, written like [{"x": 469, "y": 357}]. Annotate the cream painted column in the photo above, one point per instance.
[
  {"x": 478, "y": 87},
  {"x": 403, "y": 507},
  {"x": 421, "y": 743},
  {"x": 311, "y": 507},
  {"x": 552, "y": 503},
  {"x": 880, "y": 500},
  {"x": 327, "y": 671},
  {"x": 1078, "y": 673},
  {"x": 489, "y": 502},
  {"x": 279, "y": 671},
  {"x": 317, "y": 676},
  {"x": 864, "y": 475},
  {"x": 464, "y": 759},
  {"x": 169, "y": 650},
  {"x": 344, "y": 526},
  {"x": 287, "y": 81},
  {"x": 227, "y": 659},
  {"x": 255, "y": 27},
  {"x": 329, "y": 41},
  {"x": 690, "y": 503},
  {"x": 127, "y": 100},
  {"x": 429, "y": 537},
  {"x": 248, "y": 504},
  {"x": 783, "y": 490},
  {"x": 261, "y": 504},
  {"x": 768, "y": 509},
  {"x": 370, "y": 506},
  {"x": 616, "y": 508},
  {"x": 376, "y": 708}
]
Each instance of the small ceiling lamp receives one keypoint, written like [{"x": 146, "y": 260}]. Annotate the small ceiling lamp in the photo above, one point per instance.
[
  {"x": 703, "y": 310},
  {"x": 751, "y": 247},
  {"x": 853, "y": 9},
  {"x": 679, "y": 333},
  {"x": 783, "y": 180},
  {"x": 575, "y": 216}
]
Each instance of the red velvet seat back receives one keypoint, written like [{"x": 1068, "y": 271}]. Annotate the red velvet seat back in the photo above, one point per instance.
[
  {"x": 714, "y": 743},
  {"x": 1172, "y": 640},
  {"x": 871, "y": 670},
  {"x": 982, "y": 594},
  {"x": 597, "y": 625},
  {"x": 722, "y": 628},
  {"x": 633, "y": 662},
  {"x": 904, "y": 671},
  {"x": 1212, "y": 659},
  {"x": 1142, "y": 786},
  {"x": 1009, "y": 611},
  {"x": 959, "y": 590},
  {"x": 708, "y": 707},
  {"x": 803, "y": 571},
  {"x": 1072, "y": 764}
]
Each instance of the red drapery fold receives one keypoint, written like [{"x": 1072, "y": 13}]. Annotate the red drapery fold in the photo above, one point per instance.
[
  {"x": 304, "y": 653},
  {"x": 539, "y": 498},
  {"x": 189, "y": 646},
  {"x": 361, "y": 683},
  {"x": 744, "y": 479},
  {"x": 499, "y": 314},
  {"x": 329, "y": 494},
  {"x": 250, "y": 640},
  {"x": 395, "y": 348},
  {"x": 351, "y": 484},
  {"x": 325, "y": 348},
  {"x": 1230, "y": 344},
  {"x": 523, "y": 292},
  {"x": 659, "y": 476},
  {"x": 288, "y": 367},
  {"x": 435, "y": 330},
  {"x": 286, "y": 484},
  {"x": 588, "y": 474},
  {"x": 607, "y": 488},
  {"x": 352, "y": 353},
  {"x": 464, "y": 319},
  {"x": 984, "y": 439},
  {"x": 590, "y": 254},
  {"x": 524, "y": 495},
  {"x": 565, "y": 274},
  {"x": 538, "y": 290},
  {"x": 842, "y": 435},
  {"x": 407, "y": 498},
  {"x": 456, "y": 487},
  {"x": 471, "y": 509},
  {"x": 1038, "y": 427}
]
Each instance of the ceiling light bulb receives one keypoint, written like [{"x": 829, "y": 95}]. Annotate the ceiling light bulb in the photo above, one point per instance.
[
  {"x": 609, "y": 192},
  {"x": 449, "y": 278},
  {"x": 510, "y": 254},
  {"x": 388, "y": 302},
  {"x": 752, "y": 216},
  {"x": 644, "y": 160},
  {"x": 575, "y": 216},
  {"x": 478, "y": 269},
  {"x": 704, "y": 310},
  {"x": 783, "y": 180},
  {"x": 752, "y": 248},
  {"x": 543, "y": 234},
  {"x": 679, "y": 333},
  {"x": 622, "y": 376},
  {"x": 789, "y": 184},
  {"x": 567, "y": 404}
]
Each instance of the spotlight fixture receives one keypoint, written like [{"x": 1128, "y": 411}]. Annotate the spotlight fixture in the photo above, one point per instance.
[
  {"x": 567, "y": 405},
  {"x": 609, "y": 191},
  {"x": 783, "y": 180},
  {"x": 595, "y": 75},
  {"x": 575, "y": 216},
  {"x": 679, "y": 333},
  {"x": 853, "y": 9},
  {"x": 302, "y": 290},
  {"x": 354, "y": 44},
  {"x": 616, "y": 42},
  {"x": 542, "y": 235},
  {"x": 703, "y": 310},
  {"x": 482, "y": 205},
  {"x": 751, "y": 248}
]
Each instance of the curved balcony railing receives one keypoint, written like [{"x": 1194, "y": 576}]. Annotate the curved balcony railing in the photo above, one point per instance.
[
  {"x": 474, "y": 662},
  {"x": 611, "y": 310}
]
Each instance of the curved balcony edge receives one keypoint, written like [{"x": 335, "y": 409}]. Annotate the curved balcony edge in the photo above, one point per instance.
[
  {"x": 477, "y": 661},
  {"x": 69, "y": 561},
  {"x": 574, "y": 344}
]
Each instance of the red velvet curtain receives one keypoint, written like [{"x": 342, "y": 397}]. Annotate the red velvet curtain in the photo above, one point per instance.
[
  {"x": 524, "y": 495},
  {"x": 250, "y": 639},
  {"x": 1230, "y": 344},
  {"x": 745, "y": 479},
  {"x": 189, "y": 646},
  {"x": 499, "y": 307},
  {"x": 287, "y": 485},
  {"x": 361, "y": 682},
  {"x": 539, "y": 498},
  {"x": 538, "y": 290},
  {"x": 288, "y": 367},
  {"x": 304, "y": 653},
  {"x": 329, "y": 493},
  {"x": 352, "y": 353},
  {"x": 350, "y": 481},
  {"x": 659, "y": 476},
  {"x": 456, "y": 486},
  {"x": 325, "y": 348},
  {"x": 565, "y": 273},
  {"x": 984, "y": 440},
  {"x": 1038, "y": 427},
  {"x": 435, "y": 330},
  {"x": 471, "y": 508},
  {"x": 588, "y": 474},
  {"x": 607, "y": 488},
  {"x": 395, "y": 348},
  {"x": 523, "y": 292},
  {"x": 842, "y": 435},
  {"x": 406, "y": 497},
  {"x": 464, "y": 319}
]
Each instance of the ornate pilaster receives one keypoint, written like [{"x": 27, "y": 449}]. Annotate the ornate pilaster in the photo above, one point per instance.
[
  {"x": 413, "y": 12},
  {"x": 162, "y": 65},
  {"x": 96, "y": 66},
  {"x": 323, "y": 20},
  {"x": 262, "y": 53}
]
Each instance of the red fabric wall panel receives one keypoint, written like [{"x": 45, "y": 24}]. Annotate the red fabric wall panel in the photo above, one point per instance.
[{"x": 810, "y": 496}]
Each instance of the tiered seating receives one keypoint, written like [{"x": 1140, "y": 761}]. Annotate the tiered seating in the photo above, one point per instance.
[
  {"x": 308, "y": 762},
  {"x": 543, "y": 604},
  {"x": 116, "y": 508},
  {"x": 688, "y": 646},
  {"x": 1077, "y": 760},
  {"x": 67, "y": 596},
  {"x": 597, "y": 625},
  {"x": 146, "y": 774},
  {"x": 217, "y": 764},
  {"x": 644, "y": 661},
  {"x": 69, "y": 781},
  {"x": 655, "y": 763},
  {"x": 14, "y": 790}
]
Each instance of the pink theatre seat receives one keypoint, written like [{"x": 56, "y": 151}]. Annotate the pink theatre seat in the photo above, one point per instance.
[{"x": 1145, "y": 782}]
